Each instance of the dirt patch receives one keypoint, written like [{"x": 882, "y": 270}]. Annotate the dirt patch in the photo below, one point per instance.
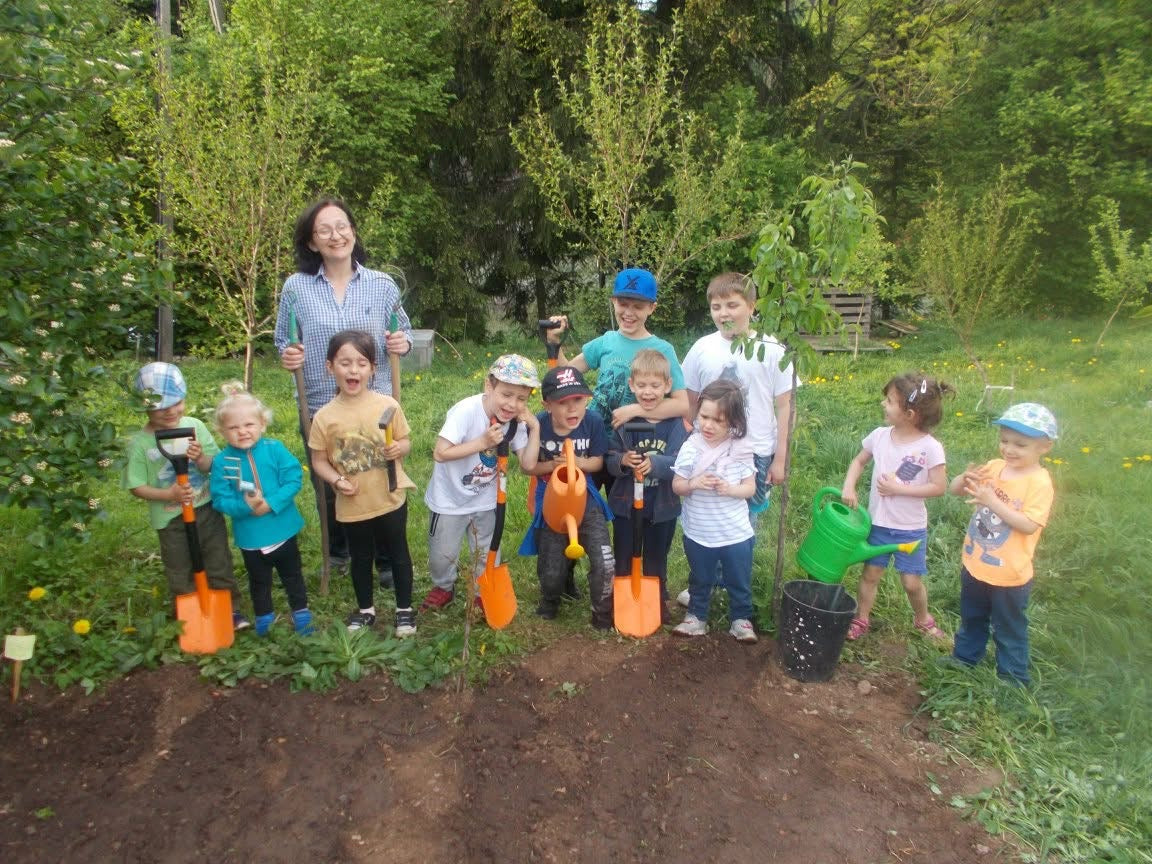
[{"x": 593, "y": 750}]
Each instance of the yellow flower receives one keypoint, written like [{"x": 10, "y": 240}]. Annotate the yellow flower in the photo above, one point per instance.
[
  {"x": 1126, "y": 465},
  {"x": 37, "y": 593},
  {"x": 81, "y": 627},
  {"x": 129, "y": 630},
  {"x": 1075, "y": 340},
  {"x": 1057, "y": 461},
  {"x": 835, "y": 377},
  {"x": 1147, "y": 457},
  {"x": 1085, "y": 449},
  {"x": 959, "y": 413},
  {"x": 417, "y": 377}
]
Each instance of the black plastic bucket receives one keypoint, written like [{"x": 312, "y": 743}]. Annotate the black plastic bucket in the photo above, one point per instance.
[{"x": 814, "y": 620}]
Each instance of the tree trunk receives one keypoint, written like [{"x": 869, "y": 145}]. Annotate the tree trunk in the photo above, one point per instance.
[{"x": 777, "y": 586}]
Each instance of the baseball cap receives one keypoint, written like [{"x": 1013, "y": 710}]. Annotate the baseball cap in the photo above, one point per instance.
[
  {"x": 162, "y": 386},
  {"x": 635, "y": 283},
  {"x": 563, "y": 382},
  {"x": 515, "y": 369},
  {"x": 1029, "y": 419}
]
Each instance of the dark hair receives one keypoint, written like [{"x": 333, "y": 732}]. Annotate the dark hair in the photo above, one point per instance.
[
  {"x": 922, "y": 396},
  {"x": 729, "y": 398},
  {"x": 358, "y": 339},
  {"x": 308, "y": 260}
]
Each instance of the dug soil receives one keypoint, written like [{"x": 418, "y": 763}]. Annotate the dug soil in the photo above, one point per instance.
[{"x": 594, "y": 750}]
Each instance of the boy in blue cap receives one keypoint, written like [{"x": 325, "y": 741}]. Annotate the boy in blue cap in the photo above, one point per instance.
[{"x": 1013, "y": 497}]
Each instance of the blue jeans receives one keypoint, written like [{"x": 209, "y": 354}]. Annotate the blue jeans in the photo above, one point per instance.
[
  {"x": 735, "y": 563},
  {"x": 1005, "y": 610}
]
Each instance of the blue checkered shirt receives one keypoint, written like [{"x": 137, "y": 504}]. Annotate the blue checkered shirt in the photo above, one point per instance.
[{"x": 369, "y": 301}]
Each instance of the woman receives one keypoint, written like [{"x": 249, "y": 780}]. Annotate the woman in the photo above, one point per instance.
[{"x": 334, "y": 291}]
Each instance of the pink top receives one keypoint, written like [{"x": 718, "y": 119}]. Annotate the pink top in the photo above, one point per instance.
[{"x": 909, "y": 464}]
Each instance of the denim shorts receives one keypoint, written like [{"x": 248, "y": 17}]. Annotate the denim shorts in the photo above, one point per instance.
[
  {"x": 914, "y": 563},
  {"x": 760, "y": 500}
]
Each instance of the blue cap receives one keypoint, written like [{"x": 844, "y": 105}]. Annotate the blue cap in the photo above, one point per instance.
[
  {"x": 635, "y": 283},
  {"x": 161, "y": 385},
  {"x": 1030, "y": 419}
]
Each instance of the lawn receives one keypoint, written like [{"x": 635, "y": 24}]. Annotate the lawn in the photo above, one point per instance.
[{"x": 1075, "y": 749}]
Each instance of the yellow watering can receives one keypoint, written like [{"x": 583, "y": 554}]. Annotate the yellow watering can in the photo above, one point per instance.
[{"x": 839, "y": 538}]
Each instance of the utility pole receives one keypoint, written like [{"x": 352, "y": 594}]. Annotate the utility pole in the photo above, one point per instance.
[{"x": 164, "y": 334}]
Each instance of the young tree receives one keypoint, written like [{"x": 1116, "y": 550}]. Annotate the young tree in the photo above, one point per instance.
[
  {"x": 72, "y": 269},
  {"x": 640, "y": 179},
  {"x": 1123, "y": 274}
]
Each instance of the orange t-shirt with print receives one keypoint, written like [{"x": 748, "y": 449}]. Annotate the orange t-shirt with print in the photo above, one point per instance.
[{"x": 993, "y": 552}]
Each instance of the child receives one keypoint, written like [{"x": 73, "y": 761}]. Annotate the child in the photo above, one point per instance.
[
  {"x": 633, "y": 301},
  {"x": 566, "y": 416},
  {"x": 461, "y": 495},
  {"x": 349, "y": 451},
  {"x": 1013, "y": 496},
  {"x": 715, "y": 476},
  {"x": 255, "y": 480},
  {"x": 149, "y": 475},
  {"x": 767, "y": 388},
  {"x": 909, "y": 468},
  {"x": 651, "y": 455}
]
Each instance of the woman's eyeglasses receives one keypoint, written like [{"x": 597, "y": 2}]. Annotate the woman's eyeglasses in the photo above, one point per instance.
[{"x": 327, "y": 232}]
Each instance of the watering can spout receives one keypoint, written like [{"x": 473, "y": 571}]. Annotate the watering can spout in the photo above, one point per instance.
[{"x": 865, "y": 551}]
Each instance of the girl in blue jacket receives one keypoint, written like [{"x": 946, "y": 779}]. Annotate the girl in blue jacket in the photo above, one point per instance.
[{"x": 255, "y": 480}]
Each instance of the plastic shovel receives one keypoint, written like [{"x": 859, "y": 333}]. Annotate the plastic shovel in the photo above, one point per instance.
[
  {"x": 636, "y": 602},
  {"x": 207, "y": 613},
  {"x": 496, "y": 591}
]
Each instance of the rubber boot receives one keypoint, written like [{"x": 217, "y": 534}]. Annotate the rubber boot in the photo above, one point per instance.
[
  {"x": 264, "y": 623},
  {"x": 302, "y": 622}
]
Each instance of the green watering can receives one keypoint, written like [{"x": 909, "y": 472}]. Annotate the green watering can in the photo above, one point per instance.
[{"x": 839, "y": 538}]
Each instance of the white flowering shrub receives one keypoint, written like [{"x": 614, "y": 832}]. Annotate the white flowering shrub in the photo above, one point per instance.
[{"x": 72, "y": 268}]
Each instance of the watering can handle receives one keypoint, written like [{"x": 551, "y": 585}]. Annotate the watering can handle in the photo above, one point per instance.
[{"x": 821, "y": 494}]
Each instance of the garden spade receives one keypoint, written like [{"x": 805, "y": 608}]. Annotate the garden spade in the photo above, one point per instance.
[
  {"x": 207, "y": 613},
  {"x": 496, "y": 591},
  {"x": 636, "y": 602},
  {"x": 385, "y": 423}
]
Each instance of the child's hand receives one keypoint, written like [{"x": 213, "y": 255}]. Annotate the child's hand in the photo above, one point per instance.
[
  {"x": 625, "y": 413},
  {"x": 182, "y": 493},
  {"x": 348, "y": 486},
  {"x": 848, "y": 496},
  {"x": 776, "y": 473},
  {"x": 557, "y": 333},
  {"x": 979, "y": 490},
  {"x": 392, "y": 451},
  {"x": 195, "y": 450},
  {"x": 492, "y": 436},
  {"x": 528, "y": 418},
  {"x": 889, "y": 485},
  {"x": 256, "y": 503}
]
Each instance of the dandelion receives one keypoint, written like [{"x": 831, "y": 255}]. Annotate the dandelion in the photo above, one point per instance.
[
  {"x": 81, "y": 627},
  {"x": 1085, "y": 450},
  {"x": 959, "y": 413},
  {"x": 417, "y": 377},
  {"x": 37, "y": 593},
  {"x": 1146, "y": 457},
  {"x": 835, "y": 377},
  {"x": 128, "y": 630},
  {"x": 1126, "y": 465},
  {"x": 1076, "y": 340}
]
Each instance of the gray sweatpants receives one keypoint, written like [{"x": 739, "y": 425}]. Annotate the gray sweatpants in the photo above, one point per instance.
[
  {"x": 552, "y": 565},
  {"x": 446, "y": 533}
]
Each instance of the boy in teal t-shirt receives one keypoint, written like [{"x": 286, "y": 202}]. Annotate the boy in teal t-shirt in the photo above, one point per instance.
[{"x": 149, "y": 475}]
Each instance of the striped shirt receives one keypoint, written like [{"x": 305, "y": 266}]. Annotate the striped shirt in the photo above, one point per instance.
[
  {"x": 706, "y": 517},
  {"x": 369, "y": 301}
]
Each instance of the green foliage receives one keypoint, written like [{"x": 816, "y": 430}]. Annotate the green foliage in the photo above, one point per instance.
[
  {"x": 641, "y": 180},
  {"x": 1123, "y": 274},
  {"x": 72, "y": 272}
]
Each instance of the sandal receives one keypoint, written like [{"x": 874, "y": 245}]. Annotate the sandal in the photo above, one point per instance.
[
  {"x": 858, "y": 628},
  {"x": 929, "y": 629}
]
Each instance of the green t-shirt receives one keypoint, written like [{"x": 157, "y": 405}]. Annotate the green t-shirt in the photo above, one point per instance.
[{"x": 147, "y": 466}]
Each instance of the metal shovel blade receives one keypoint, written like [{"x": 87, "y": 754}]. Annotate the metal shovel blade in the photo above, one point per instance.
[
  {"x": 636, "y": 602},
  {"x": 497, "y": 593},
  {"x": 207, "y": 618}
]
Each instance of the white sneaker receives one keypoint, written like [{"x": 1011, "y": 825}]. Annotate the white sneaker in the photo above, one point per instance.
[
  {"x": 743, "y": 631},
  {"x": 405, "y": 623},
  {"x": 691, "y": 626},
  {"x": 683, "y": 597}
]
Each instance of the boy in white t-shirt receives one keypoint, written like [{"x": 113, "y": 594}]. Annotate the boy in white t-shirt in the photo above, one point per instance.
[{"x": 461, "y": 495}]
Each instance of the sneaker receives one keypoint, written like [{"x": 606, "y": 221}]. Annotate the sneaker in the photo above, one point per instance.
[
  {"x": 546, "y": 610},
  {"x": 359, "y": 620},
  {"x": 683, "y": 598},
  {"x": 302, "y": 622},
  {"x": 743, "y": 631},
  {"x": 239, "y": 622},
  {"x": 386, "y": 580},
  {"x": 405, "y": 623},
  {"x": 691, "y": 626},
  {"x": 437, "y": 598},
  {"x": 264, "y": 623}
]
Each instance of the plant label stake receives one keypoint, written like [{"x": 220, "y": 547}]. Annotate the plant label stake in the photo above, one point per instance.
[
  {"x": 306, "y": 426},
  {"x": 385, "y": 425},
  {"x": 636, "y": 602},
  {"x": 18, "y": 648},
  {"x": 207, "y": 613},
  {"x": 233, "y": 474},
  {"x": 496, "y": 591}
]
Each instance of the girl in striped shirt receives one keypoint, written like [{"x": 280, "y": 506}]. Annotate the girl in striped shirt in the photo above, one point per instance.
[{"x": 715, "y": 476}]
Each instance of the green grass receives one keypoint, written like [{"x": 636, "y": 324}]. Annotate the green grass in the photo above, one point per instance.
[{"x": 1076, "y": 749}]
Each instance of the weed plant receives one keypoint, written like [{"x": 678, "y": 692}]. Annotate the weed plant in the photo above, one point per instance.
[{"x": 1076, "y": 749}]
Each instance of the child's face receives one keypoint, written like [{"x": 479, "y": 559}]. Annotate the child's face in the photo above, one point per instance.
[
  {"x": 1019, "y": 451},
  {"x": 505, "y": 401},
  {"x": 896, "y": 413},
  {"x": 649, "y": 388},
  {"x": 352, "y": 370},
  {"x": 167, "y": 418},
  {"x": 732, "y": 315},
  {"x": 567, "y": 414},
  {"x": 242, "y": 428},
  {"x": 632, "y": 315},
  {"x": 712, "y": 422}
]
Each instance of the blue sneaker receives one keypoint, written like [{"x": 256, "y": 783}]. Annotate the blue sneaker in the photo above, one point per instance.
[
  {"x": 302, "y": 622},
  {"x": 264, "y": 623}
]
